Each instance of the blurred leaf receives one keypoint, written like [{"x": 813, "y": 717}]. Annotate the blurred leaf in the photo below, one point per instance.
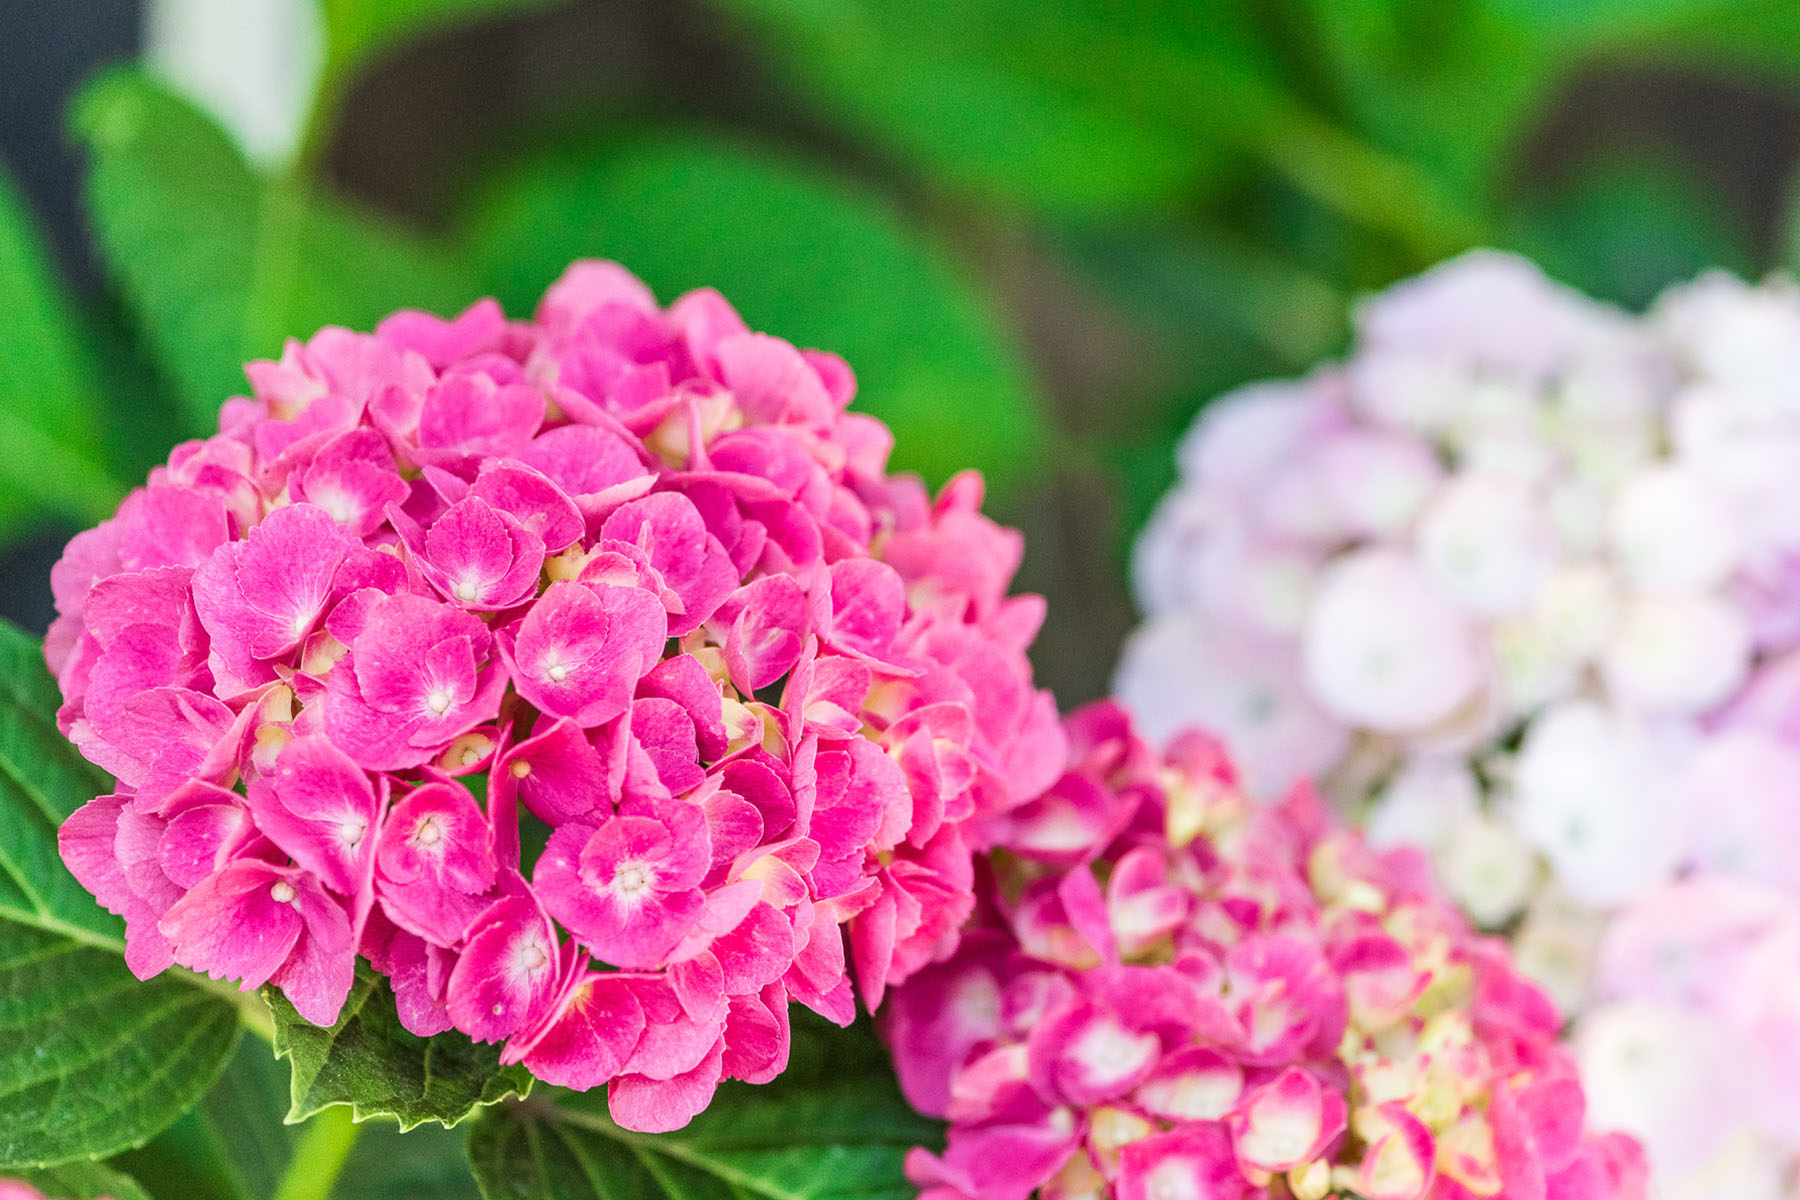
[
  {"x": 1035, "y": 102},
  {"x": 802, "y": 254},
  {"x": 49, "y": 406},
  {"x": 833, "y": 1126},
  {"x": 371, "y": 1063},
  {"x": 1452, "y": 84},
  {"x": 1610, "y": 18},
  {"x": 948, "y": 87},
  {"x": 220, "y": 264},
  {"x": 355, "y": 30},
  {"x": 1200, "y": 288},
  {"x": 84, "y": 1181},
  {"x": 235, "y": 1146},
  {"x": 1626, "y": 228},
  {"x": 426, "y": 1161},
  {"x": 91, "y": 1060}
]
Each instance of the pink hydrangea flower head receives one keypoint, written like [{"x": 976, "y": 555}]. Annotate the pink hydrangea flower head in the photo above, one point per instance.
[
  {"x": 1311, "y": 1019},
  {"x": 632, "y": 573}
]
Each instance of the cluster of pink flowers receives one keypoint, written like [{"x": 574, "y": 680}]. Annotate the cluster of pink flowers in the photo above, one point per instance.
[
  {"x": 635, "y": 572},
  {"x": 1173, "y": 993},
  {"x": 1518, "y": 581}
]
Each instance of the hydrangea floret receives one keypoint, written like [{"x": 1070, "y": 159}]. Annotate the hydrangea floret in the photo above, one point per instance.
[
  {"x": 588, "y": 675},
  {"x": 1174, "y": 993},
  {"x": 1518, "y": 581}
]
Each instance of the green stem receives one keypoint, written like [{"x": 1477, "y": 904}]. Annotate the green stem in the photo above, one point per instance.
[{"x": 320, "y": 1156}]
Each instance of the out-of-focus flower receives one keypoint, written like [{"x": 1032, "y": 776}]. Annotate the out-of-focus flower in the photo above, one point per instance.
[
  {"x": 1224, "y": 1000},
  {"x": 1541, "y": 569},
  {"x": 634, "y": 571}
]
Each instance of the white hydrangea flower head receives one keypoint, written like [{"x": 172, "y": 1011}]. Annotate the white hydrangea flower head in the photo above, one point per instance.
[{"x": 1518, "y": 582}]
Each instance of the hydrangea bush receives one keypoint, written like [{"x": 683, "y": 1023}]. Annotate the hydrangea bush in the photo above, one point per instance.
[
  {"x": 588, "y": 675},
  {"x": 1520, "y": 575},
  {"x": 1173, "y": 993}
]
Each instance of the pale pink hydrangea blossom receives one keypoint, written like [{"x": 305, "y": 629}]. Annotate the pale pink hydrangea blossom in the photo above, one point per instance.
[
  {"x": 1219, "y": 1000},
  {"x": 622, "y": 583},
  {"x": 1522, "y": 575}
]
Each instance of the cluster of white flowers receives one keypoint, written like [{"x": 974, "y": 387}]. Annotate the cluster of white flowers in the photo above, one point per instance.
[{"x": 1520, "y": 581}]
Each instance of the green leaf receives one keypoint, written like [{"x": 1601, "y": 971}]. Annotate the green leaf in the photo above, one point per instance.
[
  {"x": 368, "y": 1061},
  {"x": 220, "y": 264},
  {"x": 42, "y": 781},
  {"x": 1626, "y": 227},
  {"x": 91, "y": 1060},
  {"x": 803, "y": 254},
  {"x": 84, "y": 1181},
  {"x": 1611, "y": 19},
  {"x": 48, "y": 405},
  {"x": 1010, "y": 99},
  {"x": 833, "y": 1126},
  {"x": 386, "y": 1163},
  {"x": 235, "y": 1146}
]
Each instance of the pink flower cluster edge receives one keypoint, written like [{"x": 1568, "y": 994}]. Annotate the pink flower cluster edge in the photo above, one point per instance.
[
  {"x": 624, "y": 585},
  {"x": 1171, "y": 993}
]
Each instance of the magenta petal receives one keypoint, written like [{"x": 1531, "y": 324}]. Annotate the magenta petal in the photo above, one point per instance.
[
  {"x": 557, "y": 774},
  {"x": 622, "y": 889},
  {"x": 661, "y": 1106},
  {"x": 480, "y": 557},
  {"x": 320, "y": 808},
  {"x": 757, "y": 1036},
  {"x": 669, "y": 529},
  {"x": 468, "y": 415},
  {"x": 317, "y": 976},
  {"x": 585, "y": 463},
  {"x": 477, "y": 329},
  {"x": 581, "y": 649},
  {"x": 531, "y": 498},
  {"x": 594, "y": 1037},
  {"x": 682, "y": 679},
  {"x": 507, "y": 971},
  {"x": 161, "y": 526},
  {"x": 241, "y": 923},
  {"x": 674, "y": 1042},
  {"x": 772, "y": 380},
  {"x": 88, "y": 842},
  {"x": 764, "y": 625},
  {"x": 435, "y": 862},
  {"x": 260, "y": 597}
]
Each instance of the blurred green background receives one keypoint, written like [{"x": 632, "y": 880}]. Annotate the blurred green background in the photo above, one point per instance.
[{"x": 1043, "y": 233}]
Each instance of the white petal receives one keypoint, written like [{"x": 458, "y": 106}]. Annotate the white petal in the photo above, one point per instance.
[
  {"x": 1239, "y": 438},
  {"x": 1658, "y": 1073},
  {"x": 1489, "y": 870},
  {"x": 1671, "y": 531},
  {"x": 1385, "y": 647},
  {"x": 1486, "y": 541},
  {"x": 1423, "y": 804},
  {"x": 1678, "y": 654},
  {"x": 1377, "y": 481},
  {"x": 1740, "y": 796},
  {"x": 1593, "y": 792},
  {"x": 1177, "y": 672}
]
